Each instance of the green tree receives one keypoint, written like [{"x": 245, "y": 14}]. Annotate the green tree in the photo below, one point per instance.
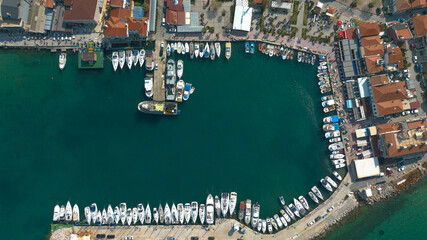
[
  {"x": 215, "y": 5},
  {"x": 371, "y": 5},
  {"x": 145, "y": 7},
  {"x": 223, "y": 12}
]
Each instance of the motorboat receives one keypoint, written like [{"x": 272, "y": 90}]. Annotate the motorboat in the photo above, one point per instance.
[
  {"x": 289, "y": 212},
  {"x": 282, "y": 200},
  {"x": 149, "y": 60},
  {"x": 332, "y": 134},
  {"x": 247, "y": 47},
  {"x": 202, "y": 49},
  {"x": 163, "y": 108},
  {"x": 248, "y": 205},
  {"x": 283, "y": 220},
  {"x": 210, "y": 209},
  {"x": 270, "y": 228},
  {"x": 202, "y": 213},
  {"x": 134, "y": 215},
  {"x": 122, "y": 58},
  {"x": 338, "y": 166},
  {"x": 326, "y": 98},
  {"x": 294, "y": 210},
  {"x": 337, "y": 176},
  {"x": 228, "y": 50},
  {"x": 331, "y": 119},
  {"x": 326, "y": 185},
  {"x": 87, "y": 214},
  {"x": 304, "y": 203},
  {"x": 187, "y": 90},
  {"x": 212, "y": 51},
  {"x": 330, "y": 127},
  {"x": 68, "y": 212},
  {"x": 264, "y": 225},
  {"x": 335, "y": 140},
  {"x": 123, "y": 213},
  {"x": 93, "y": 212},
  {"x": 255, "y": 214},
  {"x": 148, "y": 85},
  {"x": 286, "y": 216},
  {"x": 161, "y": 214},
  {"x": 76, "y": 213},
  {"x": 167, "y": 217},
  {"x": 179, "y": 68},
  {"x": 313, "y": 197},
  {"x": 168, "y": 50},
  {"x": 191, "y": 50},
  {"x": 148, "y": 214},
  {"x": 233, "y": 201},
  {"x": 180, "y": 208},
  {"x": 179, "y": 48},
  {"x": 129, "y": 58},
  {"x": 115, "y": 60},
  {"x": 338, "y": 161},
  {"x": 155, "y": 215},
  {"x": 252, "y": 47},
  {"x": 225, "y": 199},
  {"x": 299, "y": 206},
  {"x": 62, "y": 60},
  {"x": 98, "y": 218},
  {"x": 129, "y": 216},
  {"x": 206, "y": 51},
  {"x": 194, "y": 211},
  {"x": 241, "y": 210},
  {"x": 141, "y": 213},
  {"x": 141, "y": 57},
  {"x": 135, "y": 57},
  {"x": 218, "y": 49},
  {"x": 187, "y": 213},
  {"x": 259, "y": 225},
  {"x": 336, "y": 146},
  {"x": 330, "y": 181},
  {"x": 328, "y": 103},
  {"x": 278, "y": 221},
  {"x": 179, "y": 90},
  {"x": 56, "y": 213},
  {"x": 316, "y": 191},
  {"x": 336, "y": 156},
  {"x": 196, "y": 50},
  {"x": 187, "y": 48}
]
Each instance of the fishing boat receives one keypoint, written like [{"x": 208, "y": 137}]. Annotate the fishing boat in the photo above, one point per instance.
[
  {"x": 264, "y": 225},
  {"x": 167, "y": 216},
  {"x": 187, "y": 213},
  {"x": 56, "y": 213},
  {"x": 155, "y": 215},
  {"x": 218, "y": 49},
  {"x": 337, "y": 175},
  {"x": 294, "y": 210},
  {"x": 179, "y": 90},
  {"x": 330, "y": 127},
  {"x": 241, "y": 211},
  {"x": 129, "y": 216},
  {"x": 206, "y": 51},
  {"x": 269, "y": 226},
  {"x": 212, "y": 53},
  {"x": 299, "y": 206},
  {"x": 201, "y": 49},
  {"x": 181, "y": 215},
  {"x": 161, "y": 214},
  {"x": 248, "y": 204},
  {"x": 62, "y": 60},
  {"x": 196, "y": 50},
  {"x": 252, "y": 47},
  {"x": 313, "y": 197},
  {"x": 135, "y": 57},
  {"x": 233, "y": 201},
  {"x": 278, "y": 221},
  {"x": 76, "y": 213},
  {"x": 255, "y": 214},
  {"x": 316, "y": 191},
  {"x": 174, "y": 213},
  {"x": 326, "y": 185},
  {"x": 225, "y": 199},
  {"x": 147, "y": 214},
  {"x": 141, "y": 213},
  {"x": 122, "y": 58},
  {"x": 164, "y": 108},
  {"x": 148, "y": 85},
  {"x": 282, "y": 200},
  {"x": 210, "y": 209},
  {"x": 202, "y": 213},
  {"x": 87, "y": 215},
  {"x": 247, "y": 47},
  {"x": 304, "y": 203},
  {"x": 187, "y": 90},
  {"x": 289, "y": 212},
  {"x": 68, "y": 212},
  {"x": 129, "y": 58},
  {"x": 134, "y": 215},
  {"x": 187, "y": 48},
  {"x": 123, "y": 213},
  {"x": 168, "y": 50},
  {"x": 227, "y": 50},
  {"x": 191, "y": 50},
  {"x": 330, "y": 181},
  {"x": 286, "y": 216},
  {"x": 141, "y": 57},
  {"x": 194, "y": 211},
  {"x": 331, "y": 119},
  {"x": 115, "y": 60}
]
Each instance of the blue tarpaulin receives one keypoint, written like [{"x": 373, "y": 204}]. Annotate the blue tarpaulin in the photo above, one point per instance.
[{"x": 349, "y": 104}]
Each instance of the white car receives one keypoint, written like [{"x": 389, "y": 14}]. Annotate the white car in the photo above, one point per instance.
[
  {"x": 330, "y": 209},
  {"x": 414, "y": 59},
  {"x": 401, "y": 169},
  {"x": 311, "y": 223},
  {"x": 405, "y": 70}
]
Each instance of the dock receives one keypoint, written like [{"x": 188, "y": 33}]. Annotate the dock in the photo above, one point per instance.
[{"x": 158, "y": 82}]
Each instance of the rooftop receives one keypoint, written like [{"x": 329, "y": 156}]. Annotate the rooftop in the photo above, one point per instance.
[
  {"x": 395, "y": 57},
  {"x": 388, "y": 97},
  {"x": 402, "y": 5},
  {"x": 81, "y": 10},
  {"x": 368, "y": 167},
  {"x": 420, "y": 25},
  {"x": 379, "y": 80},
  {"x": 369, "y": 29},
  {"x": 372, "y": 46},
  {"x": 372, "y": 65}
]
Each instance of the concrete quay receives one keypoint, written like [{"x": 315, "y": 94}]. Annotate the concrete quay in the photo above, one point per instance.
[{"x": 159, "y": 80}]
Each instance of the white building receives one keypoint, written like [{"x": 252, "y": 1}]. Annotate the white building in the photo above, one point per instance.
[{"x": 242, "y": 18}]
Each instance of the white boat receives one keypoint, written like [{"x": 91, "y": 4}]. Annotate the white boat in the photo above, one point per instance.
[
  {"x": 141, "y": 57},
  {"x": 332, "y": 134},
  {"x": 300, "y": 207},
  {"x": 259, "y": 225},
  {"x": 217, "y": 206},
  {"x": 116, "y": 215},
  {"x": 336, "y": 146},
  {"x": 224, "y": 203},
  {"x": 129, "y": 58},
  {"x": 294, "y": 210},
  {"x": 326, "y": 185},
  {"x": 141, "y": 213},
  {"x": 104, "y": 216},
  {"x": 115, "y": 60},
  {"x": 62, "y": 60},
  {"x": 338, "y": 161},
  {"x": 68, "y": 212},
  {"x": 87, "y": 214},
  {"x": 337, "y": 176},
  {"x": 228, "y": 50},
  {"x": 179, "y": 68},
  {"x": 202, "y": 213},
  {"x": 278, "y": 221},
  {"x": 187, "y": 213},
  {"x": 134, "y": 215},
  {"x": 270, "y": 228},
  {"x": 289, "y": 212},
  {"x": 161, "y": 214},
  {"x": 135, "y": 57},
  {"x": 338, "y": 166},
  {"x": 76, "y": 213},
  {"x": 316, "y": 191},
  {"x": 210, "y": 209},
  {"x": 123, "y": 213},
  {"x": 248, "y": 208},
  {"x": 264, "y": 225},
  {"x": 196, "y": 50},
  {"x": 255, "y": 214},
  {"x": 194, "y": 211},
  {"x": 99, "y": 218},
  {"x": 284, "y": 222},
  {"x": 156, "y": 215},
  {"x": 206, "y": 51},
  {"x": 304, "y": 203},
  {"x": 313, "y": 197},
  {"x": 174, "y": 213},
  {"x": 330, "y": 181},
  {"x": 233, "y": 202},
  {"x": 180, "y": 208},
  {"x": 179, "y": 48},
  {"x": 148, "y": 85},
  {"x": 336, "y": 156},
  {"x": 122, "y": 57},
  {"x": 168, "y": 217},
  {"x": 187, "y": 48},
  {"x": 56, "y": 213},
  {"x": 212, "y": 51},
  {"x": 201, "y": 49},
  {"x": 147, "y": 214},
  {"x": 93, "y": 212},
  {"x": 168, "y": 50},
  {"x": 129, "y": 216},
  {"x": 286, "y": 216},
  {"x": 218, "y": 49}
]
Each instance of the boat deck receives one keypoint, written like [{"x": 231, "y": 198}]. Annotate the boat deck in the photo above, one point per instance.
[{"x": 158, "y": 82}]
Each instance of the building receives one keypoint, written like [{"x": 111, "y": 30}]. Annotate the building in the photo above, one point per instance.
[
  {"x": 399, "y": 32},
  {"x": 368, "y": 167},
  {"x": 118, "y": 3},
  {"x": 242, "y": 16},
  {"x": 81, "y": 12},
  {"x": 418, "y": 26},
  {"x": 368, "y": 29},
  {"x": 330, "y": 12},
  {"x": 350, "y": 56},
  {"x": 282, "y": 4},
  {"x": 371, "y": 46},
  {"x": 121, "y": 24},
  {"x": 374, "y": 64},
  {"x": 179, "y": 14},
  {"x": 389, "y": 98},
  {"x": 393, "y": 59},
  {"x": 13, "y": 13},
  {"x": 400, "y": 139},
  {"x": 404, "y": 5}
]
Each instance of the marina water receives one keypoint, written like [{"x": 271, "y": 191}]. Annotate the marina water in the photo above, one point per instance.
[{"x": 253, "y": 125}]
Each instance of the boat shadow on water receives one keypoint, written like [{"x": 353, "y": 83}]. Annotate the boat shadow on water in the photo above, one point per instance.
[{"x": 150, "y": 118}]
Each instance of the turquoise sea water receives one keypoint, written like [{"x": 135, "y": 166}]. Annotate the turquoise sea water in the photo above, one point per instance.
[{"x": 252, "y": 126}]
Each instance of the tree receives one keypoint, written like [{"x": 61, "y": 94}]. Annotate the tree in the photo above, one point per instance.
[
  {"x": 145, "y": 7},
  {"x": 371, "y": 5},
  {"x": 223, "y": 12},
  {"x": 215, "y": 5},
  {"x": 353, "y": 4}
]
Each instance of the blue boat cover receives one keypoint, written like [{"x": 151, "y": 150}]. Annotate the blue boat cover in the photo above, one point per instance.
[
  {"x": 334, "y": 118},
  {"x": 349, "y": 104}
]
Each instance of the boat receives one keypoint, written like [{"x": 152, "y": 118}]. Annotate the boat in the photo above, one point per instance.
[
  {"x": 274, "y": 223},
  {"x": 248, "y": 204},
  {"x": 196, "y": 50},
  {"x": 304, "y": 203},
  {"x": 278, "y": 221},
  {"x": 62, "y": 60},
  {"x": 87, "y": 215},
  {"x": 330, "y": 181},
  {"x": 179, "y": 48},
  {"x": 141, "y": 213},
  {"x": 161, "y": 214},
  {"x": 241, "y": 210},
  {"x": 328, "y": 109},
  {"x": 187, "y": 90},
  {"x": 134, "y": 215},
  {"x": 212, "y": 51},
  {"x": 141, "y": 57},
  {"x": 299, "y": 56},
  {"x": 255, "y": 214},
  {"x": 283, "y": 220},
  {"x": 68, "y": 212},
  {"x": 148, "y": 85},
  {"x": 56, "y": 210},
  {"x": 129, "y": 216},
  {"x": 332, "y": 134},
  {"x": 233, "y": 201},
  {"x": 123, "y": 213},
  {"x": 270, "y": 229},
  {"x": 313, "y": 197},
  {"x": 330, "y": 127},
  {"x": 179, "y": 68},
  {"x": 337, "y": 175},
  {"x": 225, "y": 198},
  {"x": 116, "y": 215},
  {"x": 206, "y": 51},
  {"x": 338, "y": 161},
  {"x": 294, "y": 210},
  {"x": 286, "y": 216},
  {"x": 76, "y": 213},
  {"x": 174, "y": 213},
  {"x": 227, "y": 50},
  {"x": 155, "y": 215},
  {"x": 147, "y": 214},
  {"x": 300, "y": 207},
  {"x": 336, "y": 156},
  {"x": 129, "y": 58},
  {"x": 168, "y": 50},
  {"x": 181, "y": 216},
  {"x": 264, "y": 225},
  {"x": 201, "y": 50},
  {"x": 99, "y": 218},
  {"x": 191, "y": 50},
  {"x": 115, "y": 60},
  {"x": 326, "y": 185},
  {"x": 179, "y": 90},
  {"x": 149, "y": 60},
  {"x": 187, "y": 48},
  {"x": 259, "y": 225},
  {"x": 247, "y": 47},
  {"x": 328, "y": 103},
  {"x": 187, "y": 213},
  {"x": 121, "y": 59},
  {"x": 336, "y": 146},
  {"x": 282, "y": 200},
  {"x": 271, "y": 53},
  {"x": 194, "y": 211},
  {"x": 313, "y": 59},
  {"x": 202, "y": 212},
  {"x": 316, "y": 191},
  {"x": 338, "y": 166},
  {"x": 210, "y": 209},
  {"x": 252, "y": 47},
  {"x": 135, "y": 57},
  {"x": 93, "y": 211},
  {"x": 289, "y": 212},
  {"x": 218, "y": 49},
  {"x": 164, "y": 108},
  {"x": 167, "y": 216}
]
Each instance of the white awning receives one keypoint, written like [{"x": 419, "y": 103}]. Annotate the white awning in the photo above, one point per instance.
[
  {"x": 242, "y": 18},
  {"x": 368, "y": 167}
]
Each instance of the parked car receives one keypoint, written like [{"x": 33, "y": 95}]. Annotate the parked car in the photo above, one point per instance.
[
  {"x": 415, "y": 59},
  {"x": 401, "y": 169},
  {"x": 311, "y": 223},
  {"x": 330, "y": 209}
]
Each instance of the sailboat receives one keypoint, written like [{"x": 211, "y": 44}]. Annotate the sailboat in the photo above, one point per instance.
[
  {"x": 129, "y": 58},
  {"x": 121, "y": 59},
  {"x": 167, "y": 215},
  {"x": 196, "y": 50},
  {"x": 141, "y": 213},
  {"x": 56, "y": 213},
  {"x": 174, "y": 213},
  {"x": 206, "y": 51},
  {"x": 218, "y": 48},
  {"x": 141, "y": 57},
  {"x": 156, "y": 215},
  {"x": 194, "y": 210},
  {"x": 135, "y": 57},
  {"x": 76, "y": 213},
  {"x": 224, "y": 203},
  {"x": 68, "y": 212},
  {"x": 187, "y": 213},
  {"x": 181, "y": 217},
  {"x": 148, "y": 214},
  {"x": 123, "y": 213},
  {"x": 233, "y": 201},
  {"x": 115, "y": 60},
  {"x": 161, "y": 214},
  {"x": 217, "y": 206},
  {"x": 202, "y": 212}
]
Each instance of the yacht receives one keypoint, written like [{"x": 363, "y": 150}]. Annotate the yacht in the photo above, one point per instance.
[
  {"x": 330, "y": 181},
  {"x": 217, "y": 204},
  {"x": 149, "y": 60},
  {"x": 255, "y": 214},
  {"x": 141, "y": 213},
  {"x": 294, "y": 210},
  {"x": 218, "y": 49},
  {"x": 93, "y": 212},
  {"x": 148, "y": 85},
  {"x": 196, "y": 50},
  {"x": 62, "y": 60},
  {"x": 282, "y": 200},
  {"x": 224, "y": 203},
  {"x": 212, "y": 51},
  {"x": 155, "y": 215},
  {"x": 202, "y": 212},
  {"x": 135, "y": 57},
  {"x": 68, "y": 212},
  {"x": 129, "y": 58},
  {"x": 87, "y": 214},
  {"x": 134, "y": 215},
  {"x": 187, "y": 213},
  {"x": 168, "y": 217},
  {"x": 278, "y": 221},
  {"x": 316, "y": 191},
  {"x": 179, "y": 68},
  {"x": 326, "y": 185},
  {"x": 194, "y": 211},
  {"x": 289, "y": 212},
  {"x": 123, "y": 213},
  {"x": 304, "y": 203},
  {"x": 201, "y": 50},
  {"x": 248, "y": 204},
  {"x": 299, "y": 206},
  {"x": 129, "y": 216},
  {"x": 122, "y": 59},
  {"x": 191, "y": 50},
  {"x": 206, "y": 51},
  {"x": 180, "y": 217},
  {"x": 115, "y": 60},
  {"x": 187, "y": 48},
  {"x": 228, "y": 50},
  {"x": 313, "y": 197},
  {"x": 56, "y": 213},
  {"x": 161, "y": 214},
  {"x": 148, "y": 214},
  {"x": 264, "y": 225},
  {"x": 76, "y": 213},
  {"x": 337, "y": 176},
  {"x": 141, "y": 57},
  {"x": 168, "y": 50},
  {"x": 241, "y": 210},
  {"x": 233, "y": 201},
  {"x": 270, "y": 229},
  {"x": 116, "y": 215},
  {"x": 210, "y": 209},
  {"x": 274, "y": 224}
]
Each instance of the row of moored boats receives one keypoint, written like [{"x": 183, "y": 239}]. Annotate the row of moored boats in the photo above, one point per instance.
[
  {"x": 199, "y": 49},
  {"x": 133, "y": 58}
]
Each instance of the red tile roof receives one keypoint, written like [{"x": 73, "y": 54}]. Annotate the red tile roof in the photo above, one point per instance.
[
  {"x": 372, "y": 46},
  {"x": 420, "y": 25},
  {"x": 121, "y": 21},
  {"x": 351, "y": 32},
  {"x": 177, "y": 8},
  {"x": 388, "y": 98},
  {"x": 81, "y": 10},
  {"x": 369, "y": 29},
  {"x": 116, "y": 3},
  {"x": 402, "y": 5},
  {"x": 371, "y": 64},
  {"x": 395, "y": 57},
  {"x": 49, "y": 3},
  {"x": 379, "y": 80}
]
